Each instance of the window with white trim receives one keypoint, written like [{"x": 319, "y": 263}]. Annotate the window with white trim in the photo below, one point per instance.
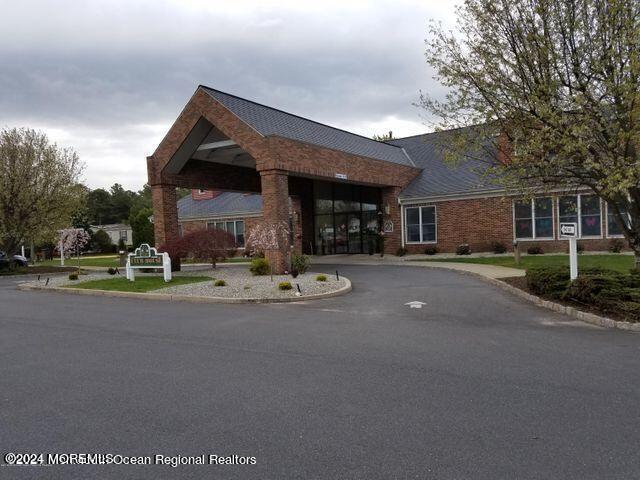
[
  {"x": 420, "y": 224},
  {"x": 613, "y": 228},
  {"x": 533, "y": 218},
  {"x": 583, "y": 210},
  {"x": 234, "y": 227}
]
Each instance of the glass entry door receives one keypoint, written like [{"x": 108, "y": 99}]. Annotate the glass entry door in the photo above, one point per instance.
[
  {"x": 354, "y": 233},
  {"x": 346, "y": 218}
]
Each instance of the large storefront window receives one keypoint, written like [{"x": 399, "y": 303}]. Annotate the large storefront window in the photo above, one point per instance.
[{"x": 346, "y": 218}]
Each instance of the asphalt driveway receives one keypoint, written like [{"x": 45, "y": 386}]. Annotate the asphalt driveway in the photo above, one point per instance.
[{"x": 477, "y": 384}]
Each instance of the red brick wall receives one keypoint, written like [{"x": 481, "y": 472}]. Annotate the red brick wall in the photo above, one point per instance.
[{"x": 481, "y": 222}]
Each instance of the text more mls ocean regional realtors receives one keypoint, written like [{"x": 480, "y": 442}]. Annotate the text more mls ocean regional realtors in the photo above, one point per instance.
[{"x": 118, "y": 459}]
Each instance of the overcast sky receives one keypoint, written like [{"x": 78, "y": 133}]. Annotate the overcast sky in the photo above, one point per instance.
[{"x": 109, "y": 78}]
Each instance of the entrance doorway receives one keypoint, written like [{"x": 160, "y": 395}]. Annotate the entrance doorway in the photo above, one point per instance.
[{"x": 345, "y": 218}]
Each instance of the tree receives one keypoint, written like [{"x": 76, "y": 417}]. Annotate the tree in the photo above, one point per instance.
[
  {"x": 73, "y": 241},
  {"x": 141, "y": 226},
  {"x": 39, "y": 189},
  {"x": 385, "y": 137},
  {"x": 268, "y": 236},
  {"x": 102, "y": 241},
  {"x": 552, "y": 89},
  {"x": 100, "y": 207},
  {"x": 212, "y": 245},
  {"x": 121, "y": 202}
]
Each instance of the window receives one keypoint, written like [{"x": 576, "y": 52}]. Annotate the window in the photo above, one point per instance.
[
  {"x": 533, "y": 218},
  {"x": 583, "y": 210},
  {"x": 234, "y": 227},
  {"x": 123, "y": 235},
  {"x": 420, "y": 224},
  {"x": 613, "y": 229}
]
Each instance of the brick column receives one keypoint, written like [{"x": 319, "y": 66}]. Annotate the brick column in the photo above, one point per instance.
[
  {"x": 165, "y": 216},
  {"x": 392, "y": 241},
  {"x": 275, "y": 208}
]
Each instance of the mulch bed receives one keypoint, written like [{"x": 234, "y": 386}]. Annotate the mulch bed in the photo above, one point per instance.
[{"x": 521, "y": 283}]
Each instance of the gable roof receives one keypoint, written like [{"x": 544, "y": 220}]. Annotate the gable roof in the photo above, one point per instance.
[
  {"x": 225, "y": 204},
  {"x": 438, "y": 178},
  {"x": 271, "y": 121}
]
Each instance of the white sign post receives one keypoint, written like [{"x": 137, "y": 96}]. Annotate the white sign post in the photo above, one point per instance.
[
  {"x": 148, "y": 257},
  {"x": 570, "y": 231}
]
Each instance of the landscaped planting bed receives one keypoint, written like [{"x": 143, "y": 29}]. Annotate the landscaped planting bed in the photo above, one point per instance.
[
  {"x": 240, "y": 283},
  {"x": 229, "y": 282},
  {"x": 596, "y": 290}
]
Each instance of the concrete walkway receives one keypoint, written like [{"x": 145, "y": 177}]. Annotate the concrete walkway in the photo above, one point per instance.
[{"x": 489, "y": 271}]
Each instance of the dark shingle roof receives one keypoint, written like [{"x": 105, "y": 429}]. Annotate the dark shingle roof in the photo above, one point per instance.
[
  {"x": 225, "y": 204},
  {"x": 438, "y": 177},
  {"x": 270, "y": 121}
]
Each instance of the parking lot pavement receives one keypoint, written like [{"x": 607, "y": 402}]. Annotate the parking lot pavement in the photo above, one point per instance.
[{"x": 475, "y": 384}]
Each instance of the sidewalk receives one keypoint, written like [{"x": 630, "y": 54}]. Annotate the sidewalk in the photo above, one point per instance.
[{"x": 489, "y": 271}]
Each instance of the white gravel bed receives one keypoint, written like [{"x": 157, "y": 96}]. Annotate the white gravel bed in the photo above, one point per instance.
[{"x": 241, "y": 284}]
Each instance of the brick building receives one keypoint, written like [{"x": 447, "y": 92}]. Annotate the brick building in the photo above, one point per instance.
[{"x": 337, "y": 190}]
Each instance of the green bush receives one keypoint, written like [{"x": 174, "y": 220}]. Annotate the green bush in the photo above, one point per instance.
[
  {"x": 606, "y": 290},
  {"x": 432, "y": 250},
  {"x": 321, "y": 278},
  {"x": 219, "y": 283},
  {"x": 259, "y": 266},
  {"x": 300, "y": 263},
  {"x": 73, "y": 276},
  {"x": 610, "y": 292},
  {"x": 463, "y": 249},
  {"x": 285, "y": 286},
  {"x": 499, "y": 247},
  {"x": 548, "y": 281},
  {"x": 535, "y": 250},
  {"x": 401, "y": 252}
]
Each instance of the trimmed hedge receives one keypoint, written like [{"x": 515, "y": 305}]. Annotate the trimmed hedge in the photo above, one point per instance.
[
  {"x": 607, "y": 290},
  {"x": 548, "y": 281}
]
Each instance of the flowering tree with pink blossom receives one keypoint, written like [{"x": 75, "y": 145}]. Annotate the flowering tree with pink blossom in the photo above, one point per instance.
[
  {"x": 73, "y": 240},
  {"x": 268, "y": 236}
]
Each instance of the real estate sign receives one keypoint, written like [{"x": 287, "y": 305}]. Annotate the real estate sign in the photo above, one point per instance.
[{"x": 148, "y": 257}]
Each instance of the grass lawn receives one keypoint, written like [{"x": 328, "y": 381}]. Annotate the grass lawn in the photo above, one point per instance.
[
  {"x": 142, "y": 284},
  {"x": 621, "y": 263},
  {"x": 88, "y": 261}
]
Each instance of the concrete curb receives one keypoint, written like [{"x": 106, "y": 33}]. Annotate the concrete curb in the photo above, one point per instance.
[
  {"x": 586, "y": 317},
  {"x": 189, "y": 298}
]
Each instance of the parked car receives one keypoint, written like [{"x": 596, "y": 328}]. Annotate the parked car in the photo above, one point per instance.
[{"x": 15, "y": 261}]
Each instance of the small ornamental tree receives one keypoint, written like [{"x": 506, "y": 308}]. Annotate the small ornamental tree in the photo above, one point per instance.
[
  {"x": 73, "y": 241},
  {"x": 268, "y": 236},
  {"x": 213, "y": 245}
]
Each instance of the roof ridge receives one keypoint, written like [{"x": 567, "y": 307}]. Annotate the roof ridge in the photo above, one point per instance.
[{"x": 297, "y": 116}]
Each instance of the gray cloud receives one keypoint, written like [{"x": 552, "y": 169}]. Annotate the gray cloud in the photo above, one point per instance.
[{"x": 109, "y": 78}]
